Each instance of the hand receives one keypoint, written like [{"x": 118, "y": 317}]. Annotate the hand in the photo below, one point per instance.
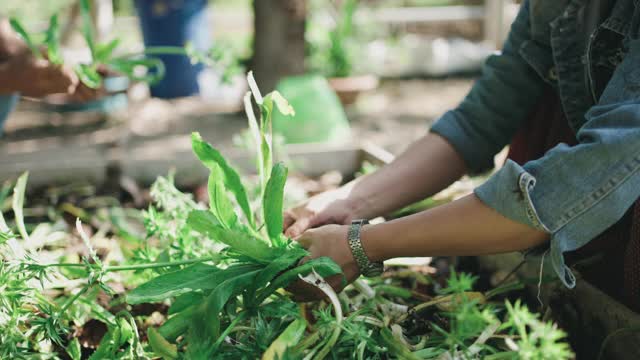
[
  {"x": 331, "y": 207},
  {"x": 35, "y": 77},
  {"x": 330, "y": 241}
]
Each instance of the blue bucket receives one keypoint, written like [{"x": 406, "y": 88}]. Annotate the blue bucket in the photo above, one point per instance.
[{"x": 175, "y": 23}]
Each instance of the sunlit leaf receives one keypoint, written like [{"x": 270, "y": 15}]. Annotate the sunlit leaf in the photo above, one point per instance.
[
  {"x": 219, "y": 203},
  {"x": 288, "y": 338},
  {"x": 19, "y": 29},
  {"x": 52, "y": 41},
  {"x": 241, "y": 242},
  {"x": 18, "y": 204},
  {"x": 210, "y": 157},
  {"x": 160, "y": 346}
]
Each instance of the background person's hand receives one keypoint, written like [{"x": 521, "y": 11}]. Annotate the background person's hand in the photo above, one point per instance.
[
  {"x": 330, "y": 241},
  {"x": 35, "y": 77},
  {"x": 331, "y": 207}
]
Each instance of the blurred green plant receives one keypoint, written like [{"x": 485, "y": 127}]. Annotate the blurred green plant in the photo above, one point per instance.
[
  {"x": 332, "y": 53},
  {"x": 137, "y": 67}
]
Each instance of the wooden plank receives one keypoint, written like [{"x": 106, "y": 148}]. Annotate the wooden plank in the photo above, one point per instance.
[
  {"x": 409, "y": 15},
  {"x": 146, "y": 160}
]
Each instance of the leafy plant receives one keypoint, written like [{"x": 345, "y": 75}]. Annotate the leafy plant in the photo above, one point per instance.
[
  {"x": 103, "y": 58},
  {"x": 333, "y": 55},
  {"x": 215, "y": 274}
]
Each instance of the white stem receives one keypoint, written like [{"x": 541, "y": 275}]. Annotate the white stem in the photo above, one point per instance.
[
  {"x": 254, "y": 88},
  {"x": 364, "y": 288},
  {"x": 87, "y": 242},
  {"x": 253, "y": 122},
  {"x": 316, "y": 280}
]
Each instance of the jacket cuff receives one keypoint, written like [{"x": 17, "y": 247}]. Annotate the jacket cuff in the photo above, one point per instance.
[{"x": 508, "y": 192}]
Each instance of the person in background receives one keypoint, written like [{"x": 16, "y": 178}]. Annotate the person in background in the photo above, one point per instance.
[
  {"x": 22, "y": 74},
  {"x": 565, "y": 92}
]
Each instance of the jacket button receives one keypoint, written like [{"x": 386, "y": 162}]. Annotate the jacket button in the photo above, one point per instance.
[{"x": 552, "y": 75}]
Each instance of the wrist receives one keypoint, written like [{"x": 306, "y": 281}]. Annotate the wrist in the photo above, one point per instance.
[{"x": 369, "y": 236}]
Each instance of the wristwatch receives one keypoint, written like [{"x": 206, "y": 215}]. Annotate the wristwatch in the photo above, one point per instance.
[{"x": 366, "y": 266}]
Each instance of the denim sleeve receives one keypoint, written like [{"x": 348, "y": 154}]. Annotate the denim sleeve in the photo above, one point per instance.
[
  {"x": 7, "y": 103},
  {"x": 498, "y": 103},
  {"x": 575, "y": 193}
]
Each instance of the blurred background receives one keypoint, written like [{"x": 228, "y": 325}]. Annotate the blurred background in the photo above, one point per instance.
[{"x": 374, "y": 71}]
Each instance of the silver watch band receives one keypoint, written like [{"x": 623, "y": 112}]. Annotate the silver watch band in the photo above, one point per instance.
[{"x": 366, "y": 266}]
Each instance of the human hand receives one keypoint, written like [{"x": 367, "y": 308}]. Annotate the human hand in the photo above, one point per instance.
[
  {"x": 331, "y": 207},
  {"x": 34, "y": 77},
  {"x": 330, "y": 241}
]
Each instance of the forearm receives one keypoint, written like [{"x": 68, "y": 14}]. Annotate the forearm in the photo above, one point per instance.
[
  {"x": 426, "y": 167},
  {"x": 463, "y": 227}
]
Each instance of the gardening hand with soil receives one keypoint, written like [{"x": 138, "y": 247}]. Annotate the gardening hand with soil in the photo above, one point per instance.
[
  {"x": 22, "y": 72},
  {"x": 463, "y": 227}
]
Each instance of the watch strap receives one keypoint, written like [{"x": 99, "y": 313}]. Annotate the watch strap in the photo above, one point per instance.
[{"x": 366, "y": 266}]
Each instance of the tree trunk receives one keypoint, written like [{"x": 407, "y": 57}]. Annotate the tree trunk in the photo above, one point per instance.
[{"x": 278, "y": 48}]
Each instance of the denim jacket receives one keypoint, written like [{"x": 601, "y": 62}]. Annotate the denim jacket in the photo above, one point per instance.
[
  {"x": 572, "y": 192},
  {"x": 7, "y": 103}
]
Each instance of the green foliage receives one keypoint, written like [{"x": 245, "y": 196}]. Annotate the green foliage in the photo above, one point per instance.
[
  {"x": 102, "y": 54},
  {"x": 212, "y": 159},
  {"x": 222, "y": 269},
  {"x": 332, "y": 53},
  {"x": 273, "y": 199},
  {"x": 289, "y": 338}
]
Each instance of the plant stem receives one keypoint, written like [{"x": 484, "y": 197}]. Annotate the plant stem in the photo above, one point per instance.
[
  {"x": 157, "y": 265},
  {"x": 133, "y": 266},
  {"x": 156, "y": 50},
  {"x": 502, "y": 355},
  {"x": 228, "y": 330},
  {"x": 74, "y": 298}
]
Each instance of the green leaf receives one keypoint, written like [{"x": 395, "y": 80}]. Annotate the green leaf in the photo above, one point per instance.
[
  {"x": 209, "y": 157},
  {"x": 289, "y": 338},
  {"x": 281, "y": 103},
  {"x": 18, "y": 204},
  {"x": 88, "y": 75},
  {"x": 160, "y": 346},
  {"x": 272, "y": 202},
  {"x": 19, "y": 29},
  {"x": 104, "y": 51},
  {"x": 185, "y": 300},
  {"x": 266, "y": 161},
  {"x": 324, "y": 266},
  {"x": 241, "y": 242},
  {"x": 233, "y": 285},
  {"x": 52, "y": 41},
  {"x": 178, "y": 324},
  {"x": 395, "y": 347},
  {"x": 155, "y": 69},
  {"x": 284, "y": 262},
  {"x": 219, "y": 203},
  {"x": 87, "y": 26},
  {"x": 110, "y": 343},
  {"x": 192, "y": 278},
  {"x": 73, "y": 350}
]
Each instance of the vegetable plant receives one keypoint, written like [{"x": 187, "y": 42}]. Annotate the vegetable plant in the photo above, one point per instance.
[
  {"x": 103, "y": 54},
  {"x": 215, "y": 276}
]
